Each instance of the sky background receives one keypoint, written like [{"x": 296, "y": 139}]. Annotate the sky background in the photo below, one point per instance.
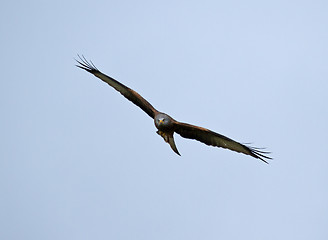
[{"x": 78, "y": 161}]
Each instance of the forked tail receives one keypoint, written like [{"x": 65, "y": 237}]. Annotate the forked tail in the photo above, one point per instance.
[{"x": 168, "y": 137}]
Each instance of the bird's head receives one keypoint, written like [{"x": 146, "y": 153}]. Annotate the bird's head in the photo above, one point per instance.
[{"x": 163, "y": 121}]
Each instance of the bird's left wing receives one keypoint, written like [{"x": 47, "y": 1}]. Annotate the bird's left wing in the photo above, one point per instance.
[
  {"x": 214, "y": 139},
  {"x": 130, "y": 94}
]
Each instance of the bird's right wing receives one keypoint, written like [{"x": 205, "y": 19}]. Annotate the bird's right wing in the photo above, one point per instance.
[
  {"x": 215, "y": 139},
  {"x": 130, "y": 94}
]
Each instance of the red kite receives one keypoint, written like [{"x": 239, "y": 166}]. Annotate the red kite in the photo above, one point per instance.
[{"x": 167, "y": 126}]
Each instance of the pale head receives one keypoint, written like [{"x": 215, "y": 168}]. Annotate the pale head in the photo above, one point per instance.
[{"x": 163, "y": 121}]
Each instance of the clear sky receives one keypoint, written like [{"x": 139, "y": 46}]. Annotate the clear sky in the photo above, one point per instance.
[{"x": 78, "y": 161}]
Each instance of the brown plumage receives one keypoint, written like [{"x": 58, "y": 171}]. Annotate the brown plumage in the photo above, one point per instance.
[{"x": 166, "y": 125}]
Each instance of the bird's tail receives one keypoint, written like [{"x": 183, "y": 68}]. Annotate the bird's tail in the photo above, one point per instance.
[
  {"x": 168, "y": 137},
  {"x": 172, "y": 144}
]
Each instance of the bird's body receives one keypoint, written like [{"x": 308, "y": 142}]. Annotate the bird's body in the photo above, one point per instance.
[{"x": 167, "y": 126}]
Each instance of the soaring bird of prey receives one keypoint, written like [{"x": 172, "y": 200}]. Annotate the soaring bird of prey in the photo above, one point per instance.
[{"x": 167, "y": 126}]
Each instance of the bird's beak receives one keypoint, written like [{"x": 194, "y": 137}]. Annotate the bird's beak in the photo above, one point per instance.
[{"x": 161, "y": 121}]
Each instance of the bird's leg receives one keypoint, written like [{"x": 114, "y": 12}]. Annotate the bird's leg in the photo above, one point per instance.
[{"x": 163, "y": 135}]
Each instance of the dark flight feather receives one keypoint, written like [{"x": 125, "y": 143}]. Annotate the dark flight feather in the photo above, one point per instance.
[
  {"x": 124, "y": 90},
  {"x": 215, "y": 139}
]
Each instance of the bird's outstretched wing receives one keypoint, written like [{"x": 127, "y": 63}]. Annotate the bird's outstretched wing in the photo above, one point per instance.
[
  {"x": 124, "y": 90},
  {"x": 214, "y": 139}
]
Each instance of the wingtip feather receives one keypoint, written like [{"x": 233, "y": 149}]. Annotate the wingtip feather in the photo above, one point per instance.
[
  {"x": 260, "y": 154},
  {"x": 85, "y": 65}
]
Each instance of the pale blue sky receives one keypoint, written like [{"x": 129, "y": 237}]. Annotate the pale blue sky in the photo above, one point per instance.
[{"x": 78, "y": 161}]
